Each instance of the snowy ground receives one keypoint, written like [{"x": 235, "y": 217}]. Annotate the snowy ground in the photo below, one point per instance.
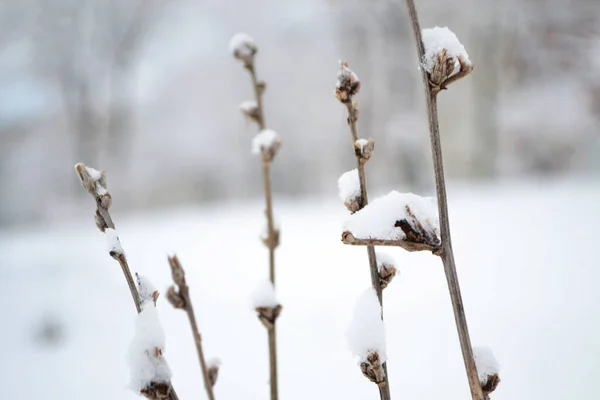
[{"x": 525, "y": 258}]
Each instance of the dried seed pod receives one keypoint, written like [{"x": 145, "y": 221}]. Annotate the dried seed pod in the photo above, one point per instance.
[
  {"x": 251, "y": 111},
  {"x": 213, "y": 370},
  {"x": 265, "y": 239},
  {"x": 491, "y": 384},
  {"x": 243, "y": 47}
]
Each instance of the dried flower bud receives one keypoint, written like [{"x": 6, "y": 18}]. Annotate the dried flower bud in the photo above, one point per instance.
[
  {"x": 157, "y": 391},
  {"x": 372, "y": 369},
  {"x": 213, "y": 370},
  {"x": 100, "y": 222},
  {"x": 251, "y": 111},
  {"x": 415, "y": 232},
  {"x": 265, "y": 239},
  {"x": 267, "y": 143},
  {"x": 347, "y": 84},
  {"x": 243, "y": 47},
  {"x": 492, "y": 383},
  {"x": 105, "y": 200},
  {"x": 445, "y": 58},
  {"x": 176, "y": 300},
  {"x": 268, "y": 315},
  {"x": 177, "y": 271},
  {"x": 363, "y": 149},
  {"x": 386, "y": 275}
]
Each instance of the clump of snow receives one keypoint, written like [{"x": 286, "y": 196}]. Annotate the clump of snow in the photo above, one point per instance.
[
  {"x": 213, "y": 362},
  {"x": 486, "y": 363},
  {"x": 264, "y": 295},
  {"x": 266, "y": 140},
  {"x": 384, "y": 260},
  {"x": 366, "y": 333},
  {"x": 145, "y": 354},
  {"x": 377, "y": 220},
  {"x": 145, "y": 288},
  {"x": 349, "y": 186},
  {"x": 361, "y": 143},
  {"x": 242, "y": 45},
  {"x": 94, "y": 173},
  {"x": 435, "y": 40},
  {"x": 248, "y": 106},
  {"x": 113, "y": 243}
]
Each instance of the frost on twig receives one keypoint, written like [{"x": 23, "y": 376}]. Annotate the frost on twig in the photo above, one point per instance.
[
  {"x": 488, "y": 369},
  {"x": 243, "y": 47},
  {"x": 366, "y": 336},
  {"x": 349, "y": 190},
  {"x": 264, "y": 301},
  {"x": 267, "y": 142},
  {"x": 386, "y": 267},
  {"x": 445, "y": 58},
  {"x": 396, "y": 219},
  {"x": 363, "y": 149},
  {"x": 150, "y": 373}
]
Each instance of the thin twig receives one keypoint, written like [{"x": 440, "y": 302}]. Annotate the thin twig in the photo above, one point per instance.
[
  {"x": 349, "y": 238},
  {"x": 446, "y": 252},
  {"x": 384, "y": 388},
  {"x": 271, "y": 240},
  {"x": 104, "y": 221},
  {"x": 183, "y": 294}
]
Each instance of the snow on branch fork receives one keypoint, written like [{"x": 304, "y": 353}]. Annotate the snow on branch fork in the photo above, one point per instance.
[{"x": 396, "y": 219}]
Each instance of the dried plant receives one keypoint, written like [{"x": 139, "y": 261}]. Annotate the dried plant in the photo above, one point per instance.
[
  {"x": 95, "y": 183},
  {"x": 179, "y": 297},
  {"x": 348, "y": 86},
  {"x": 266, "y": 144},
  {"x": 439, "y": 70}
]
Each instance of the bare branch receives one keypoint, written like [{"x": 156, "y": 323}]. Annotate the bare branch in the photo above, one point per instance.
[
  {"x": 244, "y": 49},
  {"x": 348, "y": 238},
  {"x": 95, "y": 183},
  {"x": 446, "y": 247},
  {"x": 184, "y": 302},
  {"x": 348, "y": 85}
]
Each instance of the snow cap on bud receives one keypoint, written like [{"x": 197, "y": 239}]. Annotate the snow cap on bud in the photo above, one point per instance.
[
  {"x": 363, "y": 149},
  {"x": 243, "y": 47},
  {"x": 251, "y": 111},
  {"x": 213, "y": 365},
  {"x": 347, "y": 84},
  {"x": 445, "y": 58},
  {"x": 349, "y": 190},
  {"x": 264, "y": 301},
  {"x": 267, "y": 143},
  {"x": 488, "y": 369},
  {"x": 386, "y": 267},
  {"x": 372, "y": 368}
]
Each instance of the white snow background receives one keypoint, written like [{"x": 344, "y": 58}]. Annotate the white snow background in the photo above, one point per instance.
[{"x": 526, "y": 261}]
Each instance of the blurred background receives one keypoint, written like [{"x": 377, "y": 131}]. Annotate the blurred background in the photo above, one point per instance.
[{"x": 147, "y": 90}]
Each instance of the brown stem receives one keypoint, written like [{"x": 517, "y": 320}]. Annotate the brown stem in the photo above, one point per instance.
[
  {"x": 446, "y": 252},
  {"x": 266, "y": 165},
  {"x": 384, "y": 389},
  {"x": 184, "y": 292}
]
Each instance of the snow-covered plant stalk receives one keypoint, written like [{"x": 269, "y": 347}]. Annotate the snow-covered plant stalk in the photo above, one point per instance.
[
  {"x": 150, "y": 373},
  {"x": 266, "y": 143},
  {"x": 348, "y": 86},
  {"x": 443, "y": 61},
  {"x": 179, "y": 297},
  {"x": 95, "y": 183}
]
